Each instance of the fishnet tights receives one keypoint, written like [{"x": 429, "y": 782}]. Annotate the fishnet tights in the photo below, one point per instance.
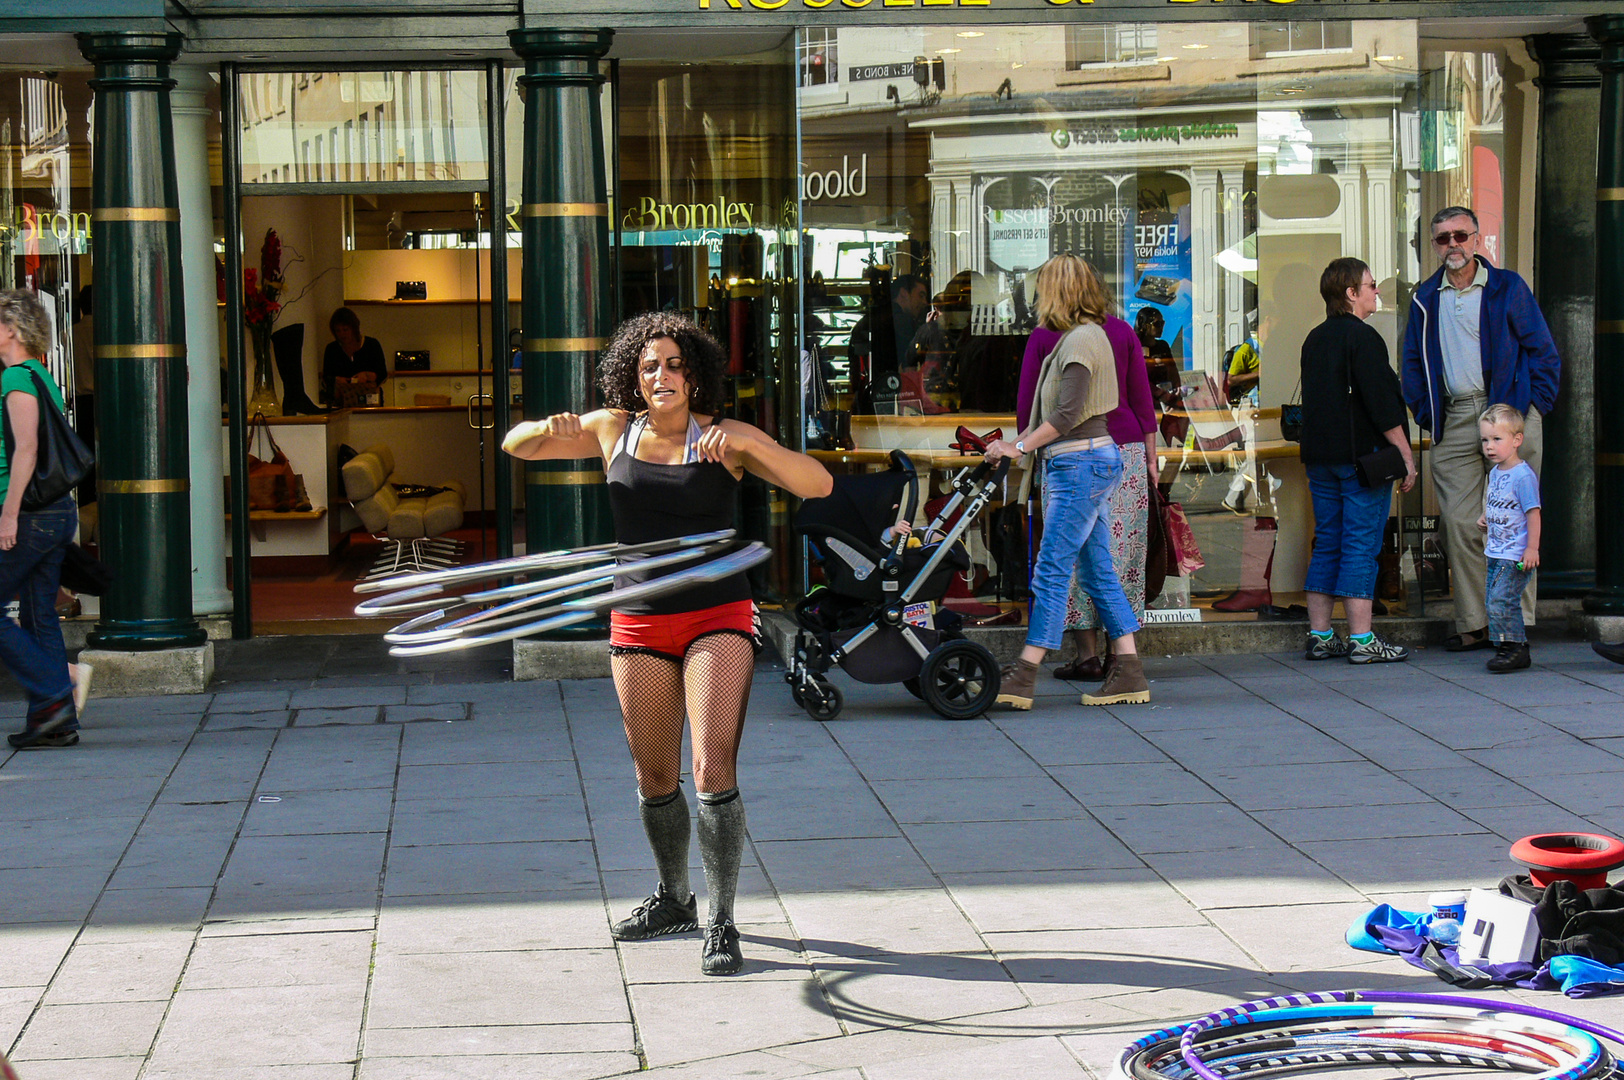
[{"x": 714, "y": 682}]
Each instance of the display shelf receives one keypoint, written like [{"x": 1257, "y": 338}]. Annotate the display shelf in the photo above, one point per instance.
[{"x": 313, "y": 514}]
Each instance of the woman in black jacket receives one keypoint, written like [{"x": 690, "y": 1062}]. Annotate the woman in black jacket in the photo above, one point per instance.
[{"x": 1352, "y": 406}]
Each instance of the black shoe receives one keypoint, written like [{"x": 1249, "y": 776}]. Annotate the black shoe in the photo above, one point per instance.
[
  {"x": 1510, "y": 656},
  {"x": 657, "y": 916},
  {"x": 1477, "y": 639},
  {"x": 1609, "y": 650},
  {"x": 721, "y": 955},
  {"x": 53, "y": 726}
]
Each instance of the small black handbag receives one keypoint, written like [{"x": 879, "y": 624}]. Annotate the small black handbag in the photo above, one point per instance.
[
  {"x": 1381, "y": 466},
  {"x": 63, "y": 460}
]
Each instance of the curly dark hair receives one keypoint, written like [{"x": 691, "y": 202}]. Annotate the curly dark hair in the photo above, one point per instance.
[{"x": 704, "y": 360}]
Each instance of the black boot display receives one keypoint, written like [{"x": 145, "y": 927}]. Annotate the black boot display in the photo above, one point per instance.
[{"x": 288, "y": 346}]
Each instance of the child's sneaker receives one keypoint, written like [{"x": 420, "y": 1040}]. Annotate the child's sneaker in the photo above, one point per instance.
[
  {"x": 1334, "y": 647},
  {"x": 1376, "y": 651},
  {"x": 1510, "y": 656}
]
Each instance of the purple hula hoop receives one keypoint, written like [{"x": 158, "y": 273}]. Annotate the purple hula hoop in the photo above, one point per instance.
[{"x": 1213, "y": 1019}]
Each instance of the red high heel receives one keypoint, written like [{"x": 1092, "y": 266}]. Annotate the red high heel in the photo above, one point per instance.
[{"x": 968, "y": 442}]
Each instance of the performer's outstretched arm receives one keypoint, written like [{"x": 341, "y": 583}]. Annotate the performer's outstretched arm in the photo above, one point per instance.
[{"x": 564, "y": 435}]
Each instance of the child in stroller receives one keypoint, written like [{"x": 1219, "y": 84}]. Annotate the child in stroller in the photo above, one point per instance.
[{"x": 876, "y": 617}]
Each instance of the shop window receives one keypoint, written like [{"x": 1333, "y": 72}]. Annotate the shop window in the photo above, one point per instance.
[
  {"x": 819, "y": 57},
  {"x": 1288, "y": 38},
  {"x": 1109, "y": 44}
]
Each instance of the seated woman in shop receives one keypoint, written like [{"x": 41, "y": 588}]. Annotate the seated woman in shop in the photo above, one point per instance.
[{"x": 353, "y": 365}]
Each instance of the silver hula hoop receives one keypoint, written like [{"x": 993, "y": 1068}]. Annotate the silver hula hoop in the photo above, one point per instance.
[{"x": 514, "y": 611}]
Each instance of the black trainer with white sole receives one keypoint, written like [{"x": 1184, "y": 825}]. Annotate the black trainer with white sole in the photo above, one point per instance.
[
  {"x": 658, "y": 916},
  {"x": 722, "y": 955}
]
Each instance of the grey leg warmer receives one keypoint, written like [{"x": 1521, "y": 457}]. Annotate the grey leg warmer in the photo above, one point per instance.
[
  {"x": 721, "y": 847},
  {"x": 666, "y": 822}
]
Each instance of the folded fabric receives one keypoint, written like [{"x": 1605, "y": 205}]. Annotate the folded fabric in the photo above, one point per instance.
[{"x": 1387, "y": 929}]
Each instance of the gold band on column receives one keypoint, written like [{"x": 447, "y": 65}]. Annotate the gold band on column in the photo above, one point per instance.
[
  {"x": 1612, "y": 460},
  {"x": 1610, "y": 194},
  {"x": 565, "y": 209},
  {"x": 584, "y": 476},
  {"x": 135, "y": 213},
  {"x": 1610, "y": 326},
  {"x": 170, "y": 351},
  {"x": 142, "y": 487},
  {"x": 563, "y": 344}
]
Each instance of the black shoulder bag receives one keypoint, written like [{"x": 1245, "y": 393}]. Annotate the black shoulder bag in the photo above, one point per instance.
[
  {"x": 63, "y": 459},
  {"x": 1379, "y": 466}
]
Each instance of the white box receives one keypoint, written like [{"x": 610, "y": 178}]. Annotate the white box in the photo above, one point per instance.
[{"x": 1498, "y": 929}]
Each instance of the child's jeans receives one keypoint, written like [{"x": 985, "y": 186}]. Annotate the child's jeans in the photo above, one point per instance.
[{"x": 1505, "y": 588}]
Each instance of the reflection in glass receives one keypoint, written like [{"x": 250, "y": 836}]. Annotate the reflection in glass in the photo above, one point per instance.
[{"x": 362, "y": 126}]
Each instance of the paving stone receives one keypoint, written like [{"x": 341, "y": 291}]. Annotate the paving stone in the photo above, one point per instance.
[
  {"x": 33, "y": 952},
  {"x": 881, "y": 990},
  {"x": 255, "y": 721},
  {"x": 1289, "y": 787},
  {"x": 459, "y": 820},
  {"x": 105, "y": 1029},
  {"x": 135, "y": 914},
  {"x": 500, "y": 1067},
  {"x": 351, "y": 714},
  {"x": 449, "y": 869},
  {"x": 477, "y": 1040},
  {"x": 1291, "y": 937},
  {"x": 1260, "y": 877},
  {"x": 145, "y": 970},
  {"x": 914, "y": 920},
  {"x": 1069, "y": 900},
  {"x": 973, "y": 847},
  {"x": 311, "y": 959},
  {"x": 371, "y": 695},
  {"x": 109, "y": 1068},
  {"x": 250, "y": 701},
  {"x": 878, "y": 863},
  {"x": 244, "y": 1028},
  {"x": 1152, "y": 830},
  {"x": 413, "y": 714},
  {"x": 562, "y": 986},
  {"x": 1042, "y": 1058},
  {"x": 1358, "y": 822},
  {"x": 496, "y": 780},
  {"x": 1054, "y": 966},
  {"x": 492, "y": 922},
  {"x": 1137, "y": 784},
  {"x": 674, "y": 1020}
]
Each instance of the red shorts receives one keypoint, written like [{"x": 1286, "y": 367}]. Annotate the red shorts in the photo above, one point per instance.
[{"x": 671, "y": 635}]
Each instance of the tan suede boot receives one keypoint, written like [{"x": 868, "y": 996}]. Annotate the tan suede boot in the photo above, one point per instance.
[
  {"x": 1124, "y": 684},
  {"x": 1015, "y": 683}
]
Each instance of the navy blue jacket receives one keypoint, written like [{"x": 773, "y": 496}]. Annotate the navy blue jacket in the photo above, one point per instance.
[{"x": 1521, "y": 366}]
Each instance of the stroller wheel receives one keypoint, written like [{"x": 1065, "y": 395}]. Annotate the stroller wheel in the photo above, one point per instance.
[
  {"x": 959, "y": 679},
  {"x": 913, "y": 687},
  {"x": 823, "y": 701}
]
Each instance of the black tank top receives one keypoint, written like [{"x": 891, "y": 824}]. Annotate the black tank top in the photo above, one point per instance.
[{"x": 659, "y": 502}]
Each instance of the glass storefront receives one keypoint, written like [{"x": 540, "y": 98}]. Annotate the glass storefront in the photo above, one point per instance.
[{"x": 1209, "y": 172}]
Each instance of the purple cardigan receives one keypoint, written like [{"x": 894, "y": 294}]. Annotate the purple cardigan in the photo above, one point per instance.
[{"x": 1135, "y": 414}]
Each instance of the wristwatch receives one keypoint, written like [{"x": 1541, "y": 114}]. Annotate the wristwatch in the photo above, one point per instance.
[{"x": 1020, "y": 447}]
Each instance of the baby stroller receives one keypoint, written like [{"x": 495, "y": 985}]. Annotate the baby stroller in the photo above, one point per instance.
[{"x": 875, "y": 618}]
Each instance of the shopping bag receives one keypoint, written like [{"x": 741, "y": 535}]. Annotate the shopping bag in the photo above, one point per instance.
[{"x": 1181, "y": 543}]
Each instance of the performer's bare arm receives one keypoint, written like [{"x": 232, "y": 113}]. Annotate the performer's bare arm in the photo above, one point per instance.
[
  {"x": 740, "y": 445},
  {"x": 565, "y": 436}
]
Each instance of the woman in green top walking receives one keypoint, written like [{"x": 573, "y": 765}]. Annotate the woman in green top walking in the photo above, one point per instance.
[{"x": 32, "y": 542}]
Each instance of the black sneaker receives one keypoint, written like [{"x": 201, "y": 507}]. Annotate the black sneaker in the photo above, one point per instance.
[
  {"x": 721, "y": 955},
  {"x": 55, "y": 726},
  {"x": 1510, "y": 656},
  {"x": 657, "y": 916}
]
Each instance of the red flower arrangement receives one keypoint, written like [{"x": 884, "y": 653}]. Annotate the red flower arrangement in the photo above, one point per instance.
[{"x": 261, "y": 287}]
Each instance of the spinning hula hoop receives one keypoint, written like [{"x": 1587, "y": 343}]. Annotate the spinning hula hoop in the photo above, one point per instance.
[{"x": 1339, "y": 1029}]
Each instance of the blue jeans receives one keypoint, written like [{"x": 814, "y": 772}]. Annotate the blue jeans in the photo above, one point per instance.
[
  {"x": 1504, "y": 595},
  {"x": 1348, "y": 524},
  {"x": 31, "y": 571},
  {"x": 1077, "y": 491}
]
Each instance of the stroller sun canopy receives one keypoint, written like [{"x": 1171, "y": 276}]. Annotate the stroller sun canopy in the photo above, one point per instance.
[{"x": 861, "y": 506}]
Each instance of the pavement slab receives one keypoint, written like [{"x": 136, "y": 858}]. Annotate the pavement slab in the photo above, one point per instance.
[{"x": 210, "y": 888}]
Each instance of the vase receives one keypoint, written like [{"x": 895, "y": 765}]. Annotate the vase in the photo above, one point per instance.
[{"x": 262, "y": 391}]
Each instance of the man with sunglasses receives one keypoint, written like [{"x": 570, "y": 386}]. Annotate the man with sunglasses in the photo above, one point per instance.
[{"x": 1475, "y": 338}]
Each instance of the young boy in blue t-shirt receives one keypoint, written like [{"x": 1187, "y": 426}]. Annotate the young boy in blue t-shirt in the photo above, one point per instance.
[{"x": 1511, "y": 518}]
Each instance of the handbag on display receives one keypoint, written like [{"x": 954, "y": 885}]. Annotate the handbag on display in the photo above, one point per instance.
[
  {"x": 272, "y": 483},
  {"x": 63, "y": 459},
  {"x": 1291, "y": 416},
  {"x": 1155, "y": 546},
  {"x": 1183, "y": 553}
]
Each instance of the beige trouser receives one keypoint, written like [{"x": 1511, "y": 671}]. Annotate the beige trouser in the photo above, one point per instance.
[{"x": 1459, "y": 471}]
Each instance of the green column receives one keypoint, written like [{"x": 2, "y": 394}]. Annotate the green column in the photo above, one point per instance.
[
  {"x": 1608, "y": 597},
  {"x": 1565, "y": 239},
  {"x": 142, "y": 456},
  {"x": 565, "y": 311}
]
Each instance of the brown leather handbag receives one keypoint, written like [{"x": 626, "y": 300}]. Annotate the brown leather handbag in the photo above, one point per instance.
[{"x": 272, "y": 483}]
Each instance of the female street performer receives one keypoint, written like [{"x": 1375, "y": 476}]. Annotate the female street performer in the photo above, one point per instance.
[{"x": 673, "y": 467}]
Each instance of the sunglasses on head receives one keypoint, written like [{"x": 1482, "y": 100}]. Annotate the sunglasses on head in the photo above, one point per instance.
[{"x": 1460, "y": 236}]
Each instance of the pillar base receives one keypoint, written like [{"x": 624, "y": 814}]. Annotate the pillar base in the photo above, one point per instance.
[
  {"x": 1605, "y": 602},
  {"x": 156, "y": 671},
  {"x": 1590, "y": 627},
  {"x": 147, "y": 636},
  {"x": 535, "y": 659}
]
